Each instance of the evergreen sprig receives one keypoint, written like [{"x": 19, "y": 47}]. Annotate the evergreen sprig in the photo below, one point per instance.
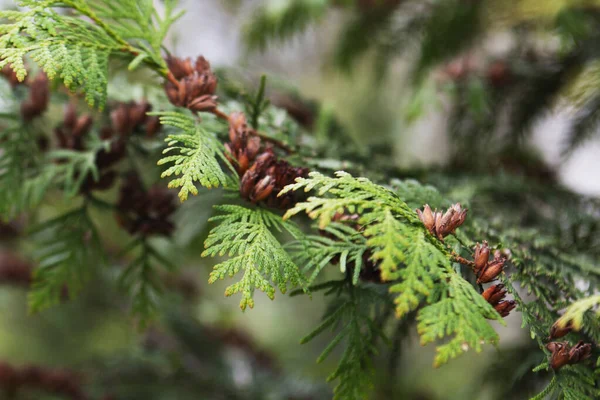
[
  {"x": 459, "y": 312},
  {"x": 140, "y": 279},
  {"x": 341, "y": 244},
  {"x": 352, "y": 315},
  {"x": 246, "y": 236},
  {"x": 78, "y": 50},
  {"x": 407, "y": 253},
  {"x": 67, "y": 249},
  {"x": 199, "y": 156},
  {"x": 280, "y": 20}
]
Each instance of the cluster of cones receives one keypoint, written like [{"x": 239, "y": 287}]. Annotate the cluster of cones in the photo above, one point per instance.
[
  {"x": 441, "y": 224},
  {"x": 562, "y": 353},
  {"x": 193, "y": 85},
  {"x": 39, "y": 93},
  {"x": 145, "y": 212},
  {"x": 126, "y": 119},
  {"x": 262, "y": 174}
]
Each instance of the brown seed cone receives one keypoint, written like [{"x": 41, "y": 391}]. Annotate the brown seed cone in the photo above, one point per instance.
[
  {"x": 482, "y": 256},
  {"x": 560, "y": 354},
  {"x": 491, "y": 271},
  {"x": 39, "y": 97},
  {"x": 196, "y": 84},
  {"x": 563, "y": 354},
  {"x": 504, "y": 307},
  {"x": 442, "y": 224},
  {"x": 145, "y": 212},
  {"x": 263, "y": 181},
  {"x": 556, "y": 331},
  {"x": 244, "y": 145},
  {"x": 126, "y": 118},
  {"x": 494, "y": 294},
  {"x": 70, "y": 135}
]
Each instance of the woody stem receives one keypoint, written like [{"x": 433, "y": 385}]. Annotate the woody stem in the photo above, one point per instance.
[
  {"x": 462, "y": 260},
  {"x": 281, "y": 145}
]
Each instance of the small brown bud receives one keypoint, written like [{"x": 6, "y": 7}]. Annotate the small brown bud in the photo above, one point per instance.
[
  {"x": 557, "y": 331},
  {"x": 482, "y": 255},
  {"x": 505, "y": 307},
  {"x": 560, "y": 354},
  {"x": 427, "y": 217},
  {"x": 494, "y": 294},
  {"x": 491, "y": 271}
]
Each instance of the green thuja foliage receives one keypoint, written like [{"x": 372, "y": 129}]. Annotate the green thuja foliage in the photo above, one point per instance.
[
  {"x": 353, "y": 316},
  {"x": 344, "y": 244},
  {"x": 67, "y": 249},
  {"x": 141, "y": 280},
  {"x": 247, "y": 237},
  {"x": 76, "y": 47},
  {"x": 198, "y": 157},
  {"x": 396, "y": 238},
  {"x": 357, "y": 240}
]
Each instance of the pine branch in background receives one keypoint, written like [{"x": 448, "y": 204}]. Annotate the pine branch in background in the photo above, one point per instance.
[
  {"x": 539, "y": 92},
  {"x": 68, "y": 248},
  {"x": 21, "y": 185},
  {"x": 199, "y": 156},
  {"x": 246, "y": 236},
  {"x": 350, "y": 314},
  {"x": 452, "y": 26},
  {"x": 140, "y": 279},
  {"x": 584, "y": 126},
  {"x": 280, "y": 20},
  {"x": 357, "y": 36}
]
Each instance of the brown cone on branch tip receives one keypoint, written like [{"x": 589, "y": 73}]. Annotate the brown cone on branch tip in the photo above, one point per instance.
[
  {"x": 494, "y": 294},
  {"x": 504, "y": 307},
  {"x": 557, "y": 331},
  {"x": 482, "y": 256},
  {"x": 563, "y": 354},
  {"x": 442, "y": 224},
  {"x": 267, "y": 177},
  {"x": 194, "y": 84},
  {"x": 243, "y": 146},
  {"x": 491, "y": 271}
]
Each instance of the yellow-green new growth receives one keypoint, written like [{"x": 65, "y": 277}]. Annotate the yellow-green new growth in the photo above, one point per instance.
[{"x": 245, "y": 235}]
